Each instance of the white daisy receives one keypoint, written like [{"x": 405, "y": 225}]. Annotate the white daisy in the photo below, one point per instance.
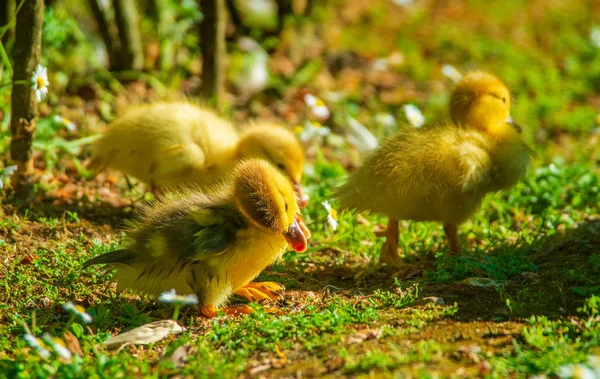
[
  {"x": 39, "y": 82},
  {"x": 312, "y": 130},
  {"x": 68, "y": 124},
  {"x": 36, "y": 345},
  {"x": 414, "y": 115},
  {"x": 5, "y": 173},
  {"x": 595, "y": 36},
  {"x": 331, "y": 215},
  {"x": 577, "y": 371},
  {"x": 317, "y": 107},
  {"x": 171, "y": 297},
  {"x": 78, "y": 311},
  {"x": 386, "y": 120},
  {"x": 451, "y": 73},
  {"x": 57, "y": 345}
]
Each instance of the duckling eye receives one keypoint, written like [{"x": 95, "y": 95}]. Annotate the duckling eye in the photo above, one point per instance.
[
  {"x": 281, "y": 166},
  {"x": 504, "y": 100},
  {"x": 286, "y": 207}
]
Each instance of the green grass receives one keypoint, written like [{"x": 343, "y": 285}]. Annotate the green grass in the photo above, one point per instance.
[{"x": 521, "y": 300}]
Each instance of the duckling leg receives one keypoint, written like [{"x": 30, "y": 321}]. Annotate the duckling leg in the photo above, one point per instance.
[
  {"x": 259, "y": 291},
  {"x": 452, "y": 234},
  {"x": 389, "y": 249},
  {"x": 210, "y": 311}
]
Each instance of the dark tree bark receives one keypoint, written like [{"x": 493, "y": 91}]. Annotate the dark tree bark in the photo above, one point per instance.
[
  {"x": 127, "y": 20},
  {"x": 27, "y": 48},
  {"x": 236, "y": 19},
  {"x": 112, "y": 48},
  {"x": 212, "y": 46}
]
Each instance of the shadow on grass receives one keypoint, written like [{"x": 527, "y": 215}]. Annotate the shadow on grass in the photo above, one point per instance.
[{"x": 550, "y": 276}]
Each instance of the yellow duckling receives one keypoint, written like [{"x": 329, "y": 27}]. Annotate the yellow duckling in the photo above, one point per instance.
[
  {"x": 167, "y": 145},
  {"x": 213, "y": 245},
  {"x": 441, "y": 173}
]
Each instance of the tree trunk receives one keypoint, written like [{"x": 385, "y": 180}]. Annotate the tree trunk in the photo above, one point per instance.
[
  {"x": 236, "y": 19},
  {"x": 112, "y": 48},
  {"x": 212, "y": 46},
  {"x": 27, "y": 48},
  {"x": 127, "y": 20}
]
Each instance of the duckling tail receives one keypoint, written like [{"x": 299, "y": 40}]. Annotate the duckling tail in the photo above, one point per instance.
[{"x": 123, "y": 256}]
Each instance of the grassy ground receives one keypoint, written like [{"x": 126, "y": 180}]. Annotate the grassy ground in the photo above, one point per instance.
[{"x": 520, "y": 301}]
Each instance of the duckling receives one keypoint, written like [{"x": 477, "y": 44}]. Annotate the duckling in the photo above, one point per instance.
[
  {"x": 213, "y": 244},
  {"x": 442, "y": 172},
  {"x": 169, "y": 145},
  {"x": 278, "y": 145}
]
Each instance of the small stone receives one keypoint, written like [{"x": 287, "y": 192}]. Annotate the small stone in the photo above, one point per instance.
[{"x": 430, "y": 300}]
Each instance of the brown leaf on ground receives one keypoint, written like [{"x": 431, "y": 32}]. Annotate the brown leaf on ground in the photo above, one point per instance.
[{"x": 72, "y": 343}]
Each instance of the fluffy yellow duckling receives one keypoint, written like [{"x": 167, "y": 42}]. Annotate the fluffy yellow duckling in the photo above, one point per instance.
[
  {"x": 168, "y": 145},
  {"x": 213, "y": 245},
  {"x": 441, "y": 173}
]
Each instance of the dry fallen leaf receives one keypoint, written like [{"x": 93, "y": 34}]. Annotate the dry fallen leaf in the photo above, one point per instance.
[
  {"x": 145, "y": 334},
  {"x": 72, "y": 343}
]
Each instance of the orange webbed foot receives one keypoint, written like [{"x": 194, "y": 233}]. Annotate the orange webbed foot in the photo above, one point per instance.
[
  {"x": 255, "y": 291},
  {"x": 235, "y": 310}
]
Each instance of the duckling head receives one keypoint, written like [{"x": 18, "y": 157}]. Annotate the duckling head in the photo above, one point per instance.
[
  {"x": 267, "y": 200},
  {"x": 279, "y": 146},
  {"x": 483, "y": 101}
]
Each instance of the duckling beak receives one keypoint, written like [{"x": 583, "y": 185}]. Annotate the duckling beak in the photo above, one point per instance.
[
  {"x": 302, "y": 198},
  {"x": 297, "y": 235},
  {"x": 510, "y": 120}
]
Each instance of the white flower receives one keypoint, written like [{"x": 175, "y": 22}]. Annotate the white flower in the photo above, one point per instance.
[
  {"x": 8, "y": 171},
  {"x": 404, "y": 3},
  {"x": 171, "y": 297},
  {"x": 39, "y": 82},
  {"x": 331, "y": 215},
  {"x": 68, "y": 124},
  {"x": 595, "y": 36},
  {"x": 386, "y": 120},
  {"x": 78, "y": 311},
  {"x": 57, "y": 345},
  {"x": 414, "y": 115},
  {"x": 317, "y": 107},
  {"x": 451, "y": 73},
  {"x": 577, "y": 371},
  {"x": 312, "y": 130},
  {"x": 380, "y": 64},
  {"x": 35, "y": 344}
]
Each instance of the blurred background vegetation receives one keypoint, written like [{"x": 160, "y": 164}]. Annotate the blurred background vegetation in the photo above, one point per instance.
[{"x": 363, "y": 58}]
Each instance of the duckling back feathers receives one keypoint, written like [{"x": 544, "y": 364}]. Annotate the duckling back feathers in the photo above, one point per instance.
[
  {"x": 433, "y": 174},
  {"x": 166, "y": 144}
]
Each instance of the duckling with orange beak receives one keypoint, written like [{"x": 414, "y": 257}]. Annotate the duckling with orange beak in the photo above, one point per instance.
[
  {"x": 214, "y": 244},
  {"x": 442, "y": 172}
]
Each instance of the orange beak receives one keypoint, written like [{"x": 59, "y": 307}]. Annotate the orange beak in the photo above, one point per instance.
[
  {"x": 302, "y": 198},
  {"x": 297, "y": 235}
]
